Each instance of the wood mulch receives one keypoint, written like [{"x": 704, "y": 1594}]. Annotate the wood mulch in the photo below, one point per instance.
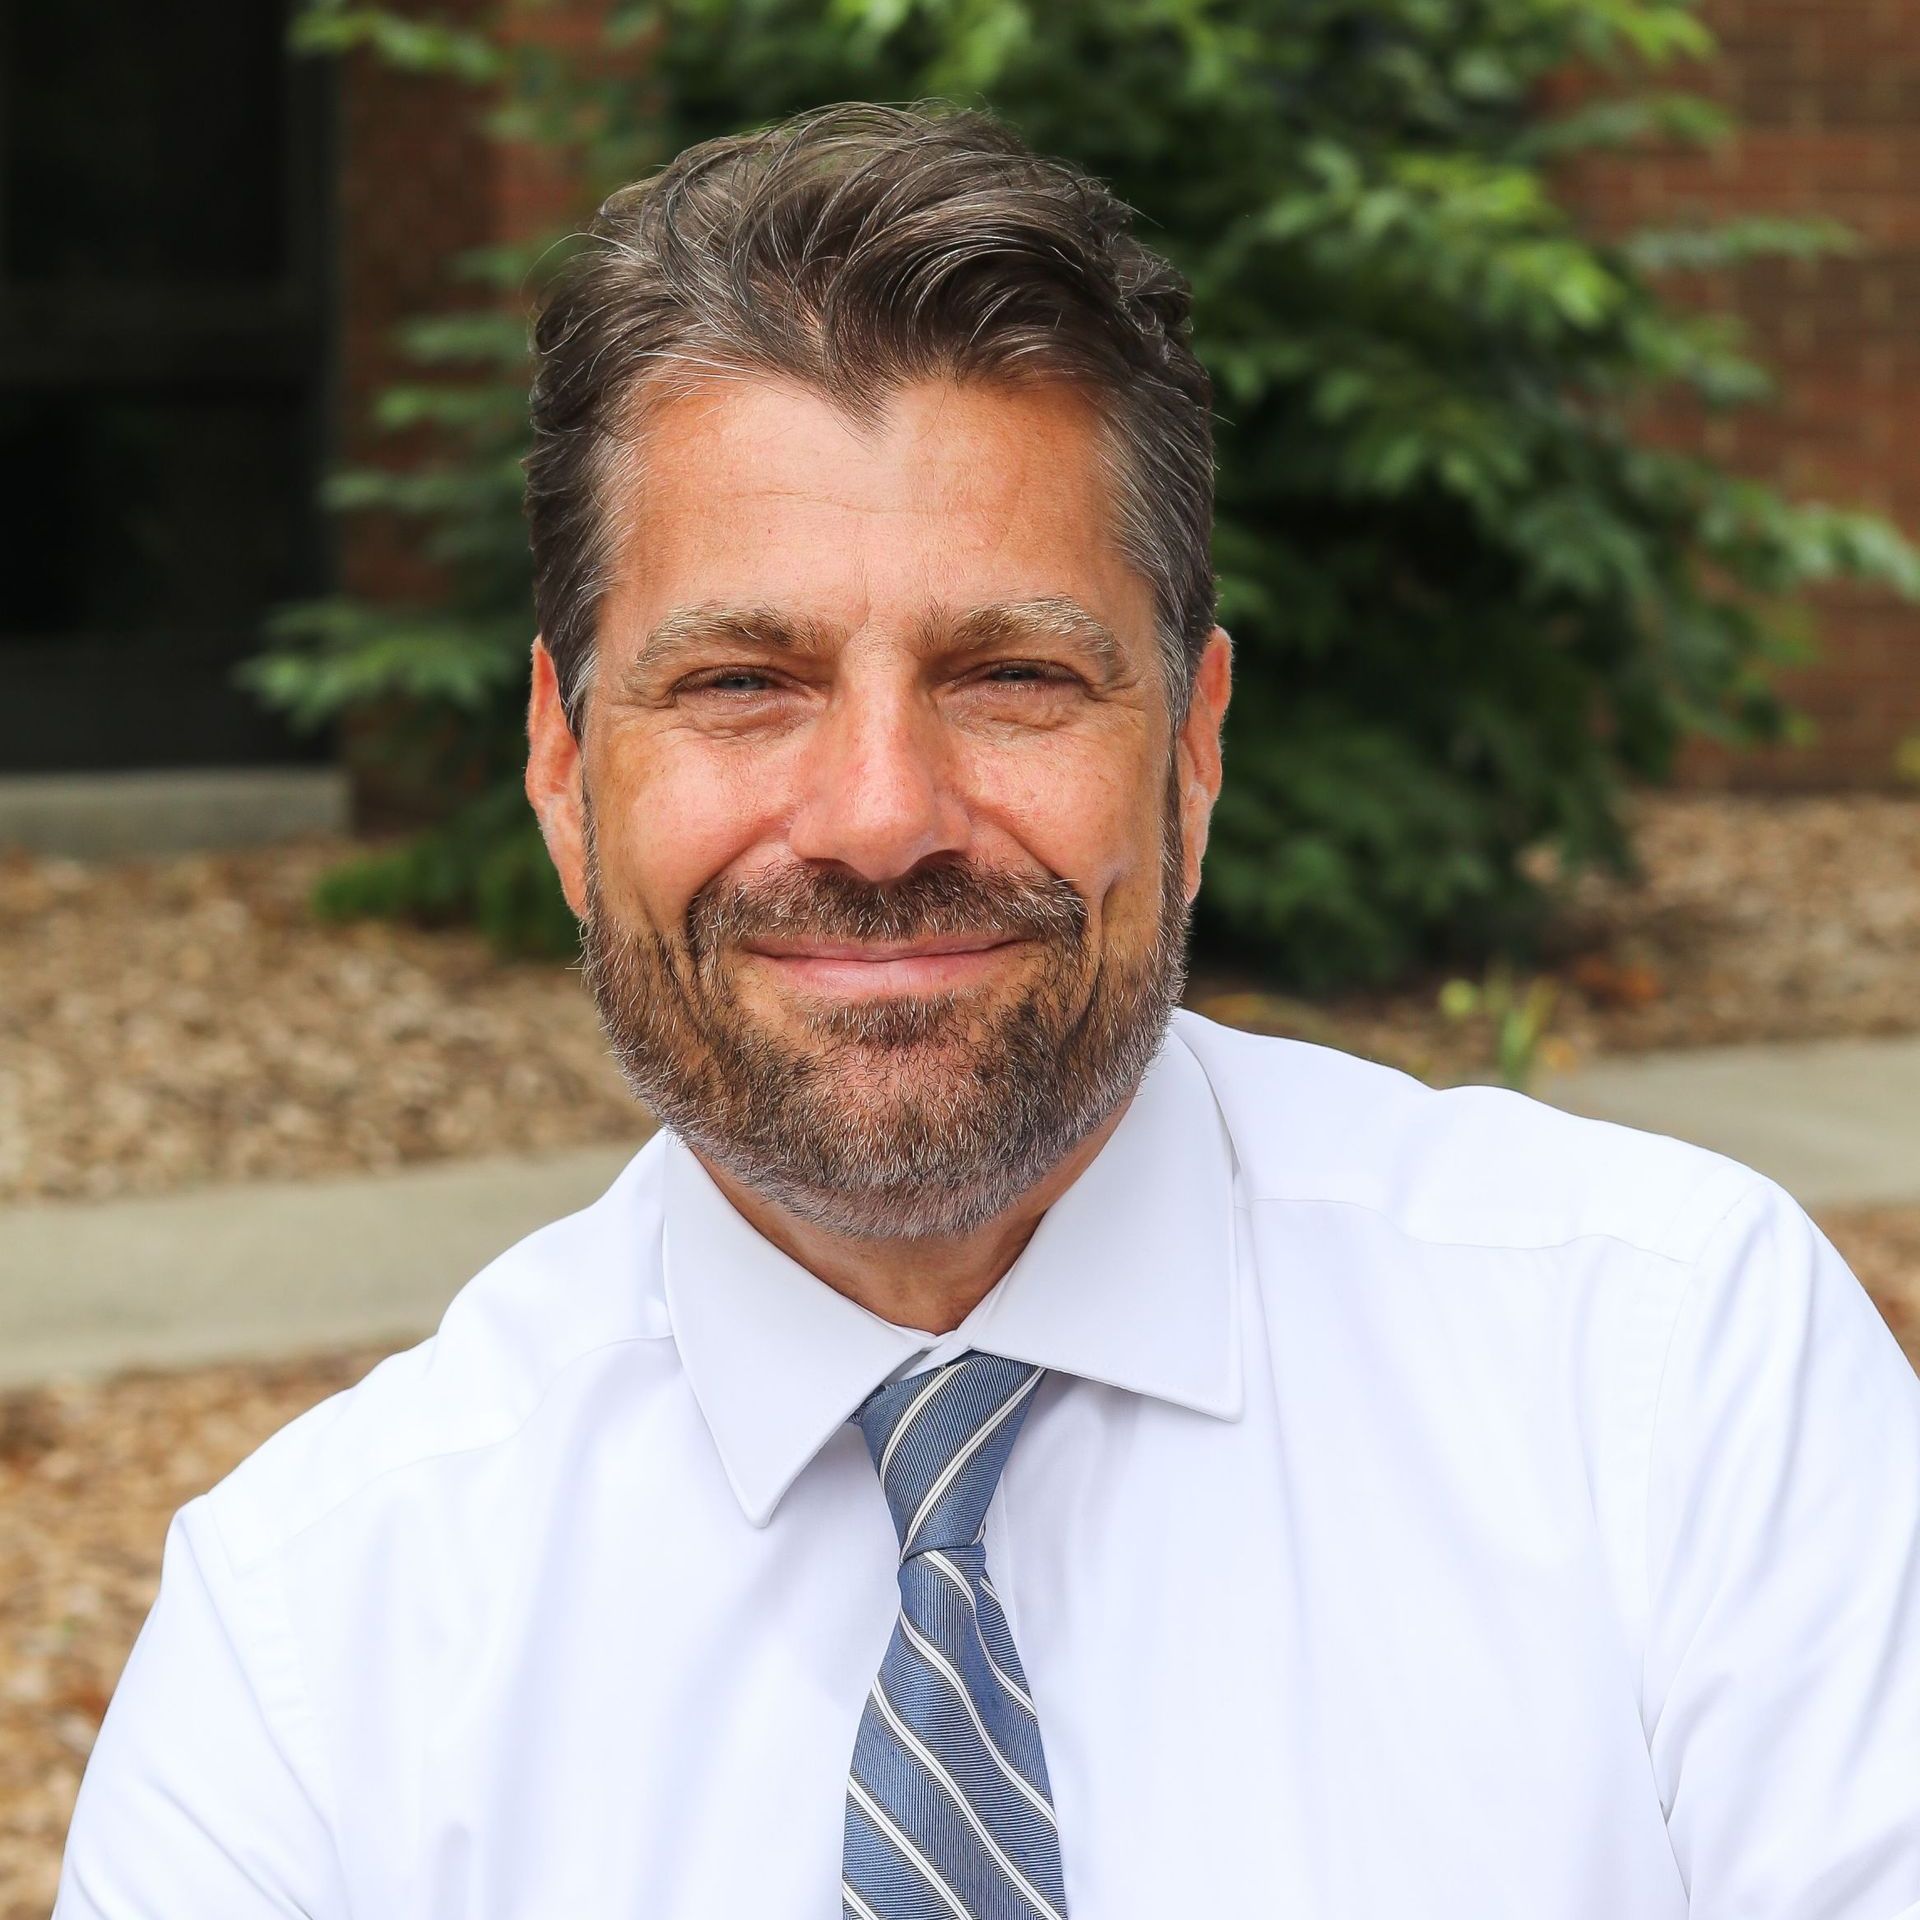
[
  {"x": 1759, "y": 917},
  {"x": 166, "y": 1023}
]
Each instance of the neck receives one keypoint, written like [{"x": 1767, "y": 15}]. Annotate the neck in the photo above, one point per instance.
[{"x": 931, "y": 1283}]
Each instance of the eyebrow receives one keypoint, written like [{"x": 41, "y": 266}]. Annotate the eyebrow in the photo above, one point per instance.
[
  {"x": 686, "y": 628},
  {"x": 1054, "y": 617}
]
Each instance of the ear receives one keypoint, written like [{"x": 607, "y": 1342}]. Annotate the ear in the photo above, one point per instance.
[
  {"x": 1198, "y": 749},
  {"x": 554, "y": 780}
]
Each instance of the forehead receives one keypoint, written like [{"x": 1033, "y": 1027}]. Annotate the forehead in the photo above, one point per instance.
[{"x": 756, "y": 491}]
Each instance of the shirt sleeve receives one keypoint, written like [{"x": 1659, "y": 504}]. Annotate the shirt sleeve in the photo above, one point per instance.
[
  {"x": 1783, "y": 1652},
  {"x": 192, "y": 1804}
]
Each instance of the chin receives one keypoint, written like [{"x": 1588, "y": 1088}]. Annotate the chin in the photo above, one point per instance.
[{"x": 891, "y": 1022}]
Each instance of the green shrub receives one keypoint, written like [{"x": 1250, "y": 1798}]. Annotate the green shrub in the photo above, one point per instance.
[{"x": 1471, "y": 600}]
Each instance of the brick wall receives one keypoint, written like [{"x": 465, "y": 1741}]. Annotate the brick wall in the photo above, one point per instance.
[
  {"x": 419, "y": 183},
  {"x": 1827, "y": 94},
  {"x": 416, "y": 187}
]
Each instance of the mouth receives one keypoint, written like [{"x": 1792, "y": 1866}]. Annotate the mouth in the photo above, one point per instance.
[{"x": 846, "y": 969}]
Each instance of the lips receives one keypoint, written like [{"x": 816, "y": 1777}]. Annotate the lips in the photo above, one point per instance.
[
  {"x": 874, "y": 952},
  {"x": 847, "y": 970}
]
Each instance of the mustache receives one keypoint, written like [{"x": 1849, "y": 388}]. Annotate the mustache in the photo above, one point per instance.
[{"x": 951, "y": 897}]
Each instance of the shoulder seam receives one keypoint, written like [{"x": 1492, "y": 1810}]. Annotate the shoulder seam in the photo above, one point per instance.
[
  {"x": 1403, "y": 1227},
  {"x": 280, "y": 1542},
  {"x": 1755, "y": 1190},
  {"x": 294, "y": 1696}
]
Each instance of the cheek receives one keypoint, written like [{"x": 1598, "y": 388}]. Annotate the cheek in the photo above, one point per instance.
[
  {"x": 670, "y": 819},
  {"x": 1080, "y": 810}
]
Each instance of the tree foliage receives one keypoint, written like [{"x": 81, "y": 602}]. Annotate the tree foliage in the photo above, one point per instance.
[{"x": 1472, "y": 597}]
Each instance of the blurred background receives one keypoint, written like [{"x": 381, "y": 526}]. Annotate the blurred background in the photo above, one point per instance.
[{"x": 1568, "y": 394}]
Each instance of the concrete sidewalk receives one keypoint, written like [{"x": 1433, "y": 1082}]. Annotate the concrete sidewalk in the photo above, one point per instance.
[
  {"x": 268, "y": 1270},
  {"x": 277, "y": 1269},
  {"x": 114, "y": 816},
  {"x": 1836, "y": 1122}
]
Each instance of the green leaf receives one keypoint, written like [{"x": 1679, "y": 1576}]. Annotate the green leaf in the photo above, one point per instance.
[{"x": 402, "y": 40}]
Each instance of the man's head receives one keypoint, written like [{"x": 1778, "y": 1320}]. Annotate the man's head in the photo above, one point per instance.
[{"x": 875, "y": 723}]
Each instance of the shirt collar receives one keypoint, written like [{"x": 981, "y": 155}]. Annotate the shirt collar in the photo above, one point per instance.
[{"x": 1127, "y": 1280}]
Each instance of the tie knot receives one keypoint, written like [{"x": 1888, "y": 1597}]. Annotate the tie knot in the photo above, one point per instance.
[{"x": 939, "y": 1441}]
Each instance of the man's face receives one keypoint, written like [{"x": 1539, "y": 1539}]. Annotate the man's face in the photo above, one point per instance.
[{"x": 880, "y": 827}]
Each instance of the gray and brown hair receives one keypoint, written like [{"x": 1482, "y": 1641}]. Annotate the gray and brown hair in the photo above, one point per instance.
[{"x": 856, "y": 249}]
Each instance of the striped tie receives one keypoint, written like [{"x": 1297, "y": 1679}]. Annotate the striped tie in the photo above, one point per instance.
[{"x": 949, "y": 1814}]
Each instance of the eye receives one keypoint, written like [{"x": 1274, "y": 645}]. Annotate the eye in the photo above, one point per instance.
[
  {"x": 1027, "y": 672},
  {"x": 728, "y": 680}
]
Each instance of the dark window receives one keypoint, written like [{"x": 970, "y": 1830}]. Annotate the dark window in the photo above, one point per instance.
[
  {"x": 148, "y": 144},
  {"x": 161, "y": 373}
]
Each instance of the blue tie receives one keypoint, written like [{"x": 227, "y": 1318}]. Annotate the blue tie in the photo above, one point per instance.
[{"x": 949, "y": 1814}]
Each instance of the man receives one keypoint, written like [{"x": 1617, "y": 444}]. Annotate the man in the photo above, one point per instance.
[{"x": 1007, "y": 1448}]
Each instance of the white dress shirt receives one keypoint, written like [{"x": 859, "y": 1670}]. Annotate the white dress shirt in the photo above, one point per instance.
[{"x": 1439, "y": 1506}]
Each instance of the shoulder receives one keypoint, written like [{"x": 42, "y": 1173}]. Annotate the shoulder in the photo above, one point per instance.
[
  {"x": 1458, "y": 1165},
  {"x": 522, "y": 1326}
]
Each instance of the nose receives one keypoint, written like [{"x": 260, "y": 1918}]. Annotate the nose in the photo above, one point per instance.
[{"x": 877, "y": 795}]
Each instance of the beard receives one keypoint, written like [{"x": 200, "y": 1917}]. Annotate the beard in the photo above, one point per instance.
[{"x": 901, "y": 1116}]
